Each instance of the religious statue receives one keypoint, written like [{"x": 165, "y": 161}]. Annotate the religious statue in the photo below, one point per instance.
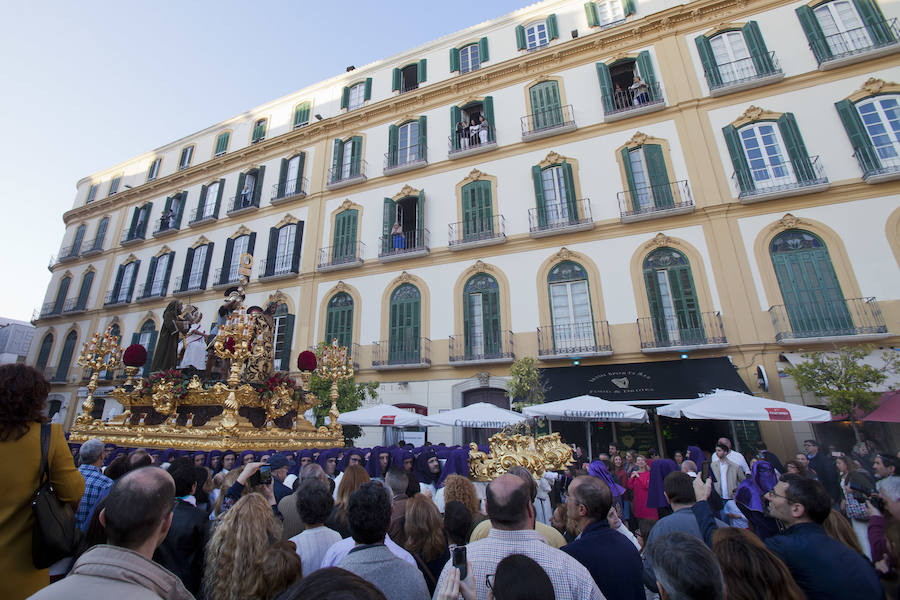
[
  {"x": 192, "y": 347},
  {"x": 166, "y": 355},
  {"x": 217, "y": 368},
  {"x": 261, "y": 364}
]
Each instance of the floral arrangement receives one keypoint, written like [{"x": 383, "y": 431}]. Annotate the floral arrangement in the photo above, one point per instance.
[
  {"x": 280, "y": 378},
  {"x": 175, "y": 376}
]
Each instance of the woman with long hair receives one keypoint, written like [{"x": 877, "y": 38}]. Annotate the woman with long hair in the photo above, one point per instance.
[
  {"x": 23, "y": 401},
  {"x": 838, "y": 527},
  {"x": 352, "y": 480},
  {"x": 752, "y": 571},
  {"x": 461, "y": 489},
  {"x": 243, "y": 535},
  {"x": 278, "y": 568},
  {"x": 855, "y": 486},
  {"x": 425, "y": 538}
]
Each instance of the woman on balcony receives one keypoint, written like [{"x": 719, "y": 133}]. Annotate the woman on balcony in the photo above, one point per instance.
[{"x": 640, "y": 90}]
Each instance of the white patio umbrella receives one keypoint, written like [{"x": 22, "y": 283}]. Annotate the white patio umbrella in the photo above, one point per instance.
[
  {"x": 480, "y": 415},
  {"x": 380, "y": 415},
  {"x": 587, "y": 408},
  {"x": 728, "y": 405}
]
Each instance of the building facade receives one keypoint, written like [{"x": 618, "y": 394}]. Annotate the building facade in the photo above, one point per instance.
[{"x": 641, "y": 182}]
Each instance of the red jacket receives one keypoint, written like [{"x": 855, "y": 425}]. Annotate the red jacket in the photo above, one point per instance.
[{"x": 639, "y": 486}]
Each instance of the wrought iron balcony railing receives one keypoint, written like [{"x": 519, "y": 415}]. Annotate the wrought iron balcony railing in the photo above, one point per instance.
[
  {"x": 279, "y": 266},
  {"x": 93, "y": 246},
  {"x": 223, "y": 277},
  {"x": 74, "y": 305},
  {"x": 740, "y": 74},
  {"x": 879, "y": 164},
  {"x": 626, "y": 102},
  {"x": 482, "y": 347},
  {"x": 134, "y": 235},
  {"x": 166, "y": 226},
  {"x": 827, "y": 319},
  {"x": 874, "y": 36},
  {"x": 681, "y": 330},
  {"x": 285, "y": 190},
  {"x": 477, "y": 231},
  {"x": 68, "y": 253},
  {"x": 402, "y": 353},
  {"x": 193, "y": 283},
  {"x": 355, "y": 172},
  {"x": 406, "y": 244},
  {"x": 462, "y": 144},
  {"x": 242, "y": 202},
  {"x": 341, "y": 256},
  {"x": 559, "y": 218},
  {"x": 400, "y": 160},
  {"x": 116, "y": 299},
  {"x": 652, "y": 201},
  {"x": 780, "y": 180},
  {"x": 548, "y": 121},
  {"x": 50, "y": 309},
  {"x": 145, "y": 292},
  {"x": 201, "y": 215},
  {"x": 589, "y": 338}
]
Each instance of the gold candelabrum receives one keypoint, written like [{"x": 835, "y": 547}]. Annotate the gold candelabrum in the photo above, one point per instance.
[
  {"x": 102, "y": 353},
  {"x": 334, "y": 365},
  {"x": 233, "y": 343}
]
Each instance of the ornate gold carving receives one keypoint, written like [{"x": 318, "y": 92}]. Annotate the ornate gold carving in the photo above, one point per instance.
[
  {"x": 551, "y": 159},
  {"x": 101, "y": 353},
  {"x": 545, "y": 453},
  {"x": 405, "y": 193},
  {"x": 201, "y": 241}
]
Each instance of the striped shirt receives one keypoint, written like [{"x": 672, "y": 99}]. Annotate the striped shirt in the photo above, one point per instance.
[
  {"x": 95, "y": 483},
  {"x": 571, "y": 580}
]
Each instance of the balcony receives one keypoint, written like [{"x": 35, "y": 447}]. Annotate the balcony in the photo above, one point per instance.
[
  {"x": 133, "y": 236},
  {"x": 280, "y": 267},
  {"x": 854, "y": 319},
  {"x": 412, "y": 353},
  {"x": 476, "y": 233},
  {"x": 147, "y": 293},
  {"x": 342, "y": 256},
  {"x": 743, "y": 74},
  {"x": 285, "y": 191},
  {"x": 625, "y": 104},
  {"x": 408, "y": 244},
  {"x": 405, "y": 159},
  {"x": 574, "y": 340},
  {"x": 681, "y": 332},
  {"x": 94, "y": 246},
  {"x": 192, "y": 284},
  {"x": 655, "y": 201},
  {"x": 560, "y": 218},
  {"x": 116, "y": 300},
  {"x": 53, "y": 375},
  {"x": 50, "y": 309},
  {"x": 781, "y": 181},
  {"x": 460, "y": 146},
  {"x": 242, "y": 203},
  {"x": 73, "y": 306},
  {"x": 545, "y": 123},
  {"x": 880, "y": 38},
  {"x": 879, "y": 165},
  {"x": 485, "y": 348},
  {"x": 67, "y": 253},
  {"x": 166, "y": 227},
  {"x": 225, "y": 277},
  {"x": 340, "y": 178},
  {"x": 200, "y": 216}
]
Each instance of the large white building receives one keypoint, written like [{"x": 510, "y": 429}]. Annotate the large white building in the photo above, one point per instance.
[{"x": 674, "y": 195}]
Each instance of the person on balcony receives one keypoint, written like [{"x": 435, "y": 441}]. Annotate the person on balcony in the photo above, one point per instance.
[
  {"x": 462, "y": 135},
  {"x": 246, "y": 194},
  {"x": 640, "y": 90},
  {"x": 397, "y": 238},
  {"x": 483, "y": 127},
  {"x": 474, "y": 128}
]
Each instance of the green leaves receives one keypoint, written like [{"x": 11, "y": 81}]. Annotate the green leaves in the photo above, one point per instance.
[
  {"x": 526, "y": 386},
  {"x": 351, "y": 396}
]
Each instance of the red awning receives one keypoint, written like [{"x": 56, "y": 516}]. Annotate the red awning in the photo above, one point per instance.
[{"x": 888, "y": 410}]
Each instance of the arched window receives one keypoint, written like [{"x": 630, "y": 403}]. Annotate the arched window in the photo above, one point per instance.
[
  {"x": 101, "y": 234},
  {"x": 65, "y": 358},
  {"x": 86, "y": 282},
  {"x": 674, "y": 309},
  {"x": 339, "y": 319},
  {"x": 477, "y": 211},
  {"x": 570, "y": 308},
  {"x": 284, "y": 336},
  {"x": 61, "y": 294},
  {"x": 810, "y": 289},
  {"x": 234, "y": 249},
  {"x": 554, "y": 192},
  {"x": 481, "y": 314},
  {"x": 284, "y": 250},
  {"x": 546, "y": 106},
  {"x": 405, "y": 328},
  {"x": 146, "y": 337},
  {"x": 44, "y": 353},
  {"x": 407, "y": 142}
]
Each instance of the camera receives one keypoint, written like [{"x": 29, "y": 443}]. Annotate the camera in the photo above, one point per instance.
[{"x": 261, "y": 477}]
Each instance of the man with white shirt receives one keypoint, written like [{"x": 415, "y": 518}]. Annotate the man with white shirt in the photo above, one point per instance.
[
  {"x": 314, "y": 505},
  {"x": 735, "y": 457},
  {"x": 728, "y": 474}
]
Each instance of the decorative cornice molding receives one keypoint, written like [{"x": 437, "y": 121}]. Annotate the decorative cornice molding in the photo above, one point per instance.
[
  {"x": 162, "y": 251},
  {"x": 660, "y": 240},
  {"x": 872, "y": 87},
  {"x": 753, "y": 114},
  {"x": 406, "y": 192},
  {"x": 474, "y": 175},
  {"x": 201, "y": 241},
  {"x": 563, "y": 254},
  {"x": 479, "y": 267},
  {"x": 287, "y": 219},
  {"x": 242, "y": 230},
  {"x": 551, "y": 159}
]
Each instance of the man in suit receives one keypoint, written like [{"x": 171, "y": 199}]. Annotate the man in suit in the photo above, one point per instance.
[{"x": 825, "y": 469}]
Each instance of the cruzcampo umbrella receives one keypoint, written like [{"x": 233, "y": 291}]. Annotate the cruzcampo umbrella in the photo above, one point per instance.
[
  {"x": 380, "y": 415},
  {"x": 480, "y": 415},
  {"x": 728, "y": 405}
]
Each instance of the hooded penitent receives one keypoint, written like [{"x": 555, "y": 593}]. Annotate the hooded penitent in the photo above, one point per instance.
[{"x": 659, "y": 468}]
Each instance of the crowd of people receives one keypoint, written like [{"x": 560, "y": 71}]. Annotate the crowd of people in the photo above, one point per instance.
[{"x": 409, "y": 523}]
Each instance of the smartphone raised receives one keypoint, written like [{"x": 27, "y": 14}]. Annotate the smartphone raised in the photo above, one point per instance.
[
  {"x": 459, "y": 561},
  {"x": 265, "y": 475}
]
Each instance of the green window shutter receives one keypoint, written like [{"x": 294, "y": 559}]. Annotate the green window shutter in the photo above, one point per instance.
[
  {"x": 300, "y": 165},
  {"x": 301, "y": 114},
  {"x": 101, "y": 233},
  {"x": 61, "y": 294},
  {"x": 455, "y": 117},
  {"x": 552, "y": 27},
  {"x": 756, "y": 45},
  {"x": 590, "y": 9},
  {"x": 151, "y": 273},
  {"x": 708, "y": 59},
  {"x": 660, "y": 331},
  {"x": 873, "y": 20},
  {"x": 628, "y": 7},
  {"x": 120, "y": 274},
  {"x": 454, "y": 60},
  {"x": 167, "y": 205},
  {"x": 151, "y": 346},
  {"x": 345, "y": 97},
  {"x": 684, "y": 298},
  {"x": 738, "y": 159},
  {"x": 645, "y": 68},
  {"x": 606, "y": 87},
  {"x": 520, "y": 38},
  {"x": 420, "y": 220},
  {"x": 298, "y": 246},
  {"x": 629, "y": 178},
  {"x": 180, "y": 213},
  {"x": 367, "y": 90},
  {"x": 659, "y": 178},
  {"x": 145, "y": 218},
  {"x": 135, "y": 216},
  {"x": 282, "y": 178},
  {"x": 356, "y": 156},
  {"x": 393, "y": 133},
  {"x": 859, "y": 137},
  {"x": 422, "y": 149},
  {"x": 389, "y": 211},
  {"x": 287, "y": 340},
  {"x": 422, "y": 71},
  {"x": 483, "y": 54},
  {"x": 209, "y": 253},
  {"x": 134, "y": 274},
  {"x": 171, "y": 260},
  {"x": 492, "y": 334},
  {"x": 79, "y": 238},
  {"x": 65, "y": 359},
  {"x": 395, "y": 80},
  {"x": 219, "y": 196},
  {"x": 202, "y": 202},
  {"x": 226, "y": 261},
  {"x": 251, "y": 243},
  {"x": 86, "y": 282},
  {"x": 257, "y": 190},
  {"x": 796, "y": 149},
  {"x": 240, "y": 187},
  {"x": 186, "y": 272},
  {"x": 571, "y": 200},
  {"x": 538, "y": 182},
  {"x": 272, "y": 251},
  {"x": 813, "y": 32},
  {"x": 487, "y": 106},
  {"x": 337, "y": 155}
]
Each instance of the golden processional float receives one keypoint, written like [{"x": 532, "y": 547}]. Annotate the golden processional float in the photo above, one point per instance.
[
  {"x": 167, "y": 410},
  {"x": 509, "y": 449}
]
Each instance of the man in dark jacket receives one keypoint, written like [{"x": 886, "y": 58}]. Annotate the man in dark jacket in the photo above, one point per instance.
[
  {"x": 825, "y": 469},
  {"x": 823, "y": 567},
  {"x": 183, "y": 548},
  {"x": 611, "y": 558},
  {"x": 280, "y": 466}
]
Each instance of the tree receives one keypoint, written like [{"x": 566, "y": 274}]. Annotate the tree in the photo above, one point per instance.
[
  {"x": 845, "y": 381},
  {"x": 351, "y": 396},
  {"x": 526, "y": 385}
]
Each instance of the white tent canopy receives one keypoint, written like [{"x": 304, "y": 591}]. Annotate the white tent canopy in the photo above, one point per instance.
[
  {"x": 480, "y": 415},
  {"x": 727, "y": 405},
  {"x": 587, "y": 408},
  {"x": 380, "y": 415}
]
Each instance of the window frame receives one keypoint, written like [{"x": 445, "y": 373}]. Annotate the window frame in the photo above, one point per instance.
[
  {"x": 226, "y": 136},
  {"x": 182, "y": 165},
  {"x": 153, "y": 171},
  {"x": 259, "y": 131}
]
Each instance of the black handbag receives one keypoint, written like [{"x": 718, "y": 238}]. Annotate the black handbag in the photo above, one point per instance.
[{"x": 55, "y": 534}]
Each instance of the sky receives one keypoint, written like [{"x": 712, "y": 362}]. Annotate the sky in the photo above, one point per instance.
[{"x": 90, "y": 84}]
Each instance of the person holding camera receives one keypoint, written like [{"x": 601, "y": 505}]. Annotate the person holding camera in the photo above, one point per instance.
[{"x": 255, "y": 477}]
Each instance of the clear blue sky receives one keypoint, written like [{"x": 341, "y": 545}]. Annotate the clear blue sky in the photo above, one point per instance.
[{"x": 89, "y": 84}]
